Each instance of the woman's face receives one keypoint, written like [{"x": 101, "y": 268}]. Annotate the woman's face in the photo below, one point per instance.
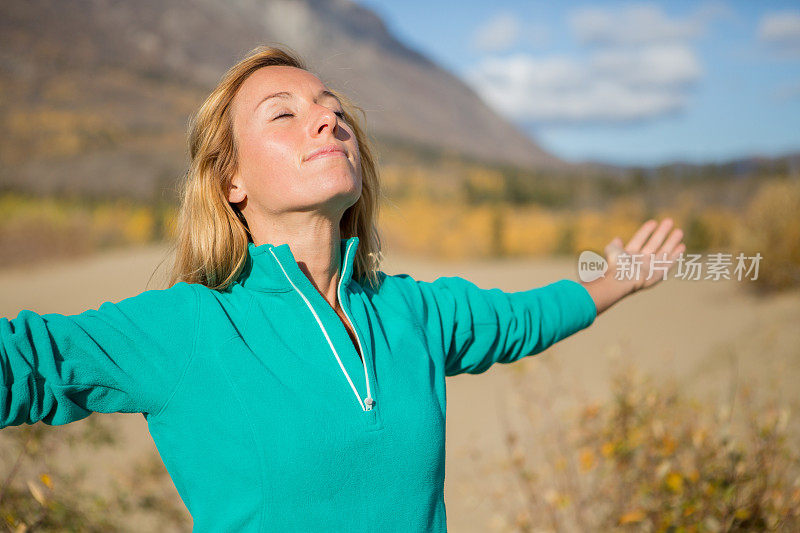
[{"x": 275, "y": 137}]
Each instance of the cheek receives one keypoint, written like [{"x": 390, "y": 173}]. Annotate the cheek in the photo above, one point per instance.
[
  {"x": 268, "y": 160},
  {"x": 268, "y": 149},
  {"x": 269, "y": 170}
]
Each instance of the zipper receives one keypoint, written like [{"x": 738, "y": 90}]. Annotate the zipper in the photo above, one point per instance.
[{"x": 369, "y": 401}]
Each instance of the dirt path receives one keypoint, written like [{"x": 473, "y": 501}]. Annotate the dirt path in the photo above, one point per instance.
[{"x": 709, "y": 335}]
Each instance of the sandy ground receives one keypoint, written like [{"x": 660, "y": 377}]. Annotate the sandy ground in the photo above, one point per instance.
[{"x": 711, "y": 336}]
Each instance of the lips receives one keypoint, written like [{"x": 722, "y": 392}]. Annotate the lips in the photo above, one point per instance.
[{"x": 328, "y": 149}]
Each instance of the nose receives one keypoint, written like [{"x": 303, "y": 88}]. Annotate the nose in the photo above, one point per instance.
[{"x": 324, "y": 118}]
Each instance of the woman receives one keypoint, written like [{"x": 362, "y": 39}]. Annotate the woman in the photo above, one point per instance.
[{"x": 288, "y": 383}]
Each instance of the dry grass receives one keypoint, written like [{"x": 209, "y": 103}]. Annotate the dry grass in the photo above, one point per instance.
[
  {"x": 40, "y": 493},
  {"x": 650, "y": 459},
  {"x": 422, "y": 224},
  {"x": 771, "y": 225},
  {"x": 34, "y": 228},
  {"x": 434, "y": 216}
]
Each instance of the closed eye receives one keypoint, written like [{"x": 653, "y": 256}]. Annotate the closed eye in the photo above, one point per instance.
[{"x": 339, "y": 114}]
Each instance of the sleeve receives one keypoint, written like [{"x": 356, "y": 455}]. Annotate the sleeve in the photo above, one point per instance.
[
  {"x": 474, "y": 328},
  {"x": 122, "y": 357}
]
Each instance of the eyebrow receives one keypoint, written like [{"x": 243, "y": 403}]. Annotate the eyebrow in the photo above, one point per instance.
[{"x": 286, "y": 94}]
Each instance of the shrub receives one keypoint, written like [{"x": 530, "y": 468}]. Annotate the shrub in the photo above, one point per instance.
[
  {"x": 38, "y": 493},
  {"x": 771, "y": 226},
  {"x": 649, "y": 459}
]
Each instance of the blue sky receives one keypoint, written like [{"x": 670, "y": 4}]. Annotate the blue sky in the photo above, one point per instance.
[{"x": 636, "y": 83}]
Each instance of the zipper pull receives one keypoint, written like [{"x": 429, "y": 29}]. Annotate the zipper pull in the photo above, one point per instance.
[{"x": 369, "y": 402}]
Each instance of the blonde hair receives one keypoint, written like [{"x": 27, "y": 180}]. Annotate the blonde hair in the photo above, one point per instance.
[{"x": 212, "y": 234}]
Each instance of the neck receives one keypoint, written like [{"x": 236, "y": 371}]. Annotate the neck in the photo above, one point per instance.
[{"x": 315, "y": 245}]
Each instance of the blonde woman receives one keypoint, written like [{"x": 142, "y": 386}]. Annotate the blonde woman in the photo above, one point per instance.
[{"x": 288, "y": 383}]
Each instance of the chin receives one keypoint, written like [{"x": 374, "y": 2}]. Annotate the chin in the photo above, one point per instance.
[{"x": 335, "y": 199}]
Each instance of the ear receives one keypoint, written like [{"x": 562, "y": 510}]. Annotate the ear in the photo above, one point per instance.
[{"x": 236, "y": 192}]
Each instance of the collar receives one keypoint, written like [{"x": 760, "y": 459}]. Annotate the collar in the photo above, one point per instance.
[{"x": 270, "y": 268}]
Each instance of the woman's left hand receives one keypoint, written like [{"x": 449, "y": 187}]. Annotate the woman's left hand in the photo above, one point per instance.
[
  {"x": 612, "y": 287},
  {"x": 644, "y": 253}
]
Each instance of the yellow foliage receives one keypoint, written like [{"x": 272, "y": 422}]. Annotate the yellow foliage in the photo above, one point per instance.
[
  {"x": 637, "y": 436},
  {"x": 486, "y": 181},
  {"x": 668, "y": 445},
  {"x": 591, "y": 410},
  {"x": 60, "y": 88},
  {"x": 105, "y": 217},
  {"x": 589, "y": 230},
  {"x": 412, "y": 224},
  {"x": 139, "y": 226},
  {"x": 171, "y": 223},
  {"x": 450, "y": 230},
  {"x": 595, "y": 229},
  {"x": 720, "y": 224},
  {"x": 636, "y": 484},
  {"x": 630, "y": 208},
  {"x": 631, "y": 517},
  {"x": 675, "y": 482},
  {"x": 587, "y": 459},
  {"x": 556, "y": 499},
  {"x": 58, "y": 132},
  {"x": 607, "y": 449},
  {"x": 771, "y": 226},
  {"x": 40, "y": 225},
  {"x": 417, "y": 223},
  {"x": 10, "y": 518},
  {"x": 531, "y": 231}
]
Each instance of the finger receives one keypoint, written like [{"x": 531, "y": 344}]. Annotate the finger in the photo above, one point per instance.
[
  {"x": 673, "y": 240},
  {"x": 614, "y": 248},
  {"x": 677, "y": 251},
  {"x": 658, "y": 237},
  {"x": 673, "y": 256},
  {"x": 640, "y": 236},
  {"x": 666, "y": 261}
]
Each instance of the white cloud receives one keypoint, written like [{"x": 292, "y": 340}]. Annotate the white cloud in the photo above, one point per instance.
[
  {"x": 781, "y": 31},
  {"x": 639, "y": 24},
  {"x": 609, "y": 86},
  {"x": 639, "y": 65},
  {"x": 666, "y": 65},
  {"x": 500, "y": 32}
]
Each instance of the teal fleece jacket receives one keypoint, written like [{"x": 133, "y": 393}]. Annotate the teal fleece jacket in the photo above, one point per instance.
[{"x": 261, "y": 408}]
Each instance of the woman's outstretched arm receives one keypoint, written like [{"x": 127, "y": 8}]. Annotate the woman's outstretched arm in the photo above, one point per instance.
[
  {"x": 608, "y": 290},
  {"x": 122, "y": 357},
  {"x": 473, "y": 328},
  {"x": 470, "y": 328}
]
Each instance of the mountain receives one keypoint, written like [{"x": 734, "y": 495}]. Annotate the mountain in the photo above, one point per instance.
[
  {"x": 787, "y": 164},
  {"x": 96, "y": 94}
]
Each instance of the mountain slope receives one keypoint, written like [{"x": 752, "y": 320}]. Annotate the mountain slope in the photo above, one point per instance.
[{"x": 96, "y": 93}]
